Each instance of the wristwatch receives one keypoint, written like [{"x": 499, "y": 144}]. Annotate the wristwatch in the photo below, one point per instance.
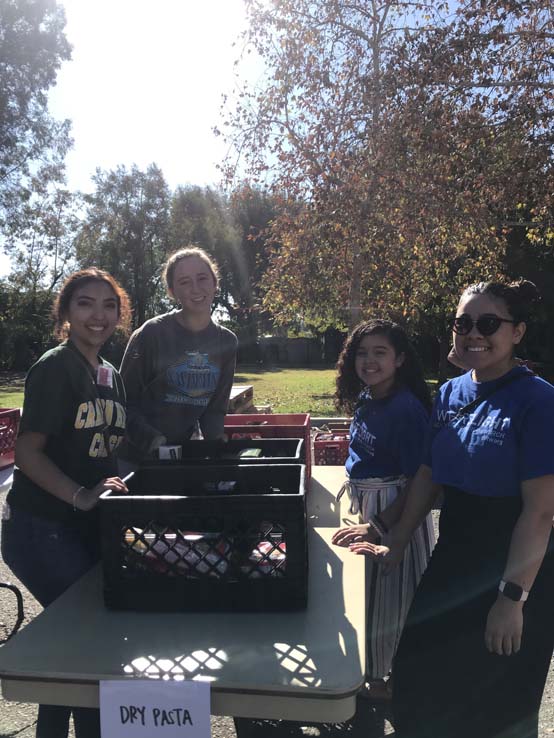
[{"x": 513, "y": 591}]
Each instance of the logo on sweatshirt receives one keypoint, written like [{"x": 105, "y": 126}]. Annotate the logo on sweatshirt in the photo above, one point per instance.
[
  {"x": 482, "y": 426},
  {"x": 193, "y": 381},
  {"x": 364, "y": 439}
]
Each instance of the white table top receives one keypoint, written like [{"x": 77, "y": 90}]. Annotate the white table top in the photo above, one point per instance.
[{"x": 303, "y": 665}]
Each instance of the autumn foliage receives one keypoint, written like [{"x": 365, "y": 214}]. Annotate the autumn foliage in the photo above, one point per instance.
[{"x": 406, "y": 141}]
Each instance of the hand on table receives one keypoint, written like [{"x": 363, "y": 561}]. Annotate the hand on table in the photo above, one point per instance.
[
  {"x": 86, "y": 499},
  {"x": 504, "y": 627},
  {"x": 375, "y": 550},
  {"x": 386, "y": 556},
  {"x": 354, "y": 534}
]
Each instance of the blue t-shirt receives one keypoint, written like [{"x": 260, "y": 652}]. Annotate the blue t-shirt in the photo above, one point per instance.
[
  {"x": 387, "y": 437},
  {"x": 505, "y": 440}
]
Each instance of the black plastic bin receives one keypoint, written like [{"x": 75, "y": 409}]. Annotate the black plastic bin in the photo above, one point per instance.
[
  {"x": 272, "y": 451},
  {"x": 193, "y": 538}
]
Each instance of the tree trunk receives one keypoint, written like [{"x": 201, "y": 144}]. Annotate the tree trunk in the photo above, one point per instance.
[
  {"x": 444, "y": 350},
  {"x": 355, "y": 297}
]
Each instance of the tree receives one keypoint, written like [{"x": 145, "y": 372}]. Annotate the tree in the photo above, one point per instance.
[
  {"x": 25, "y": 325},
  {"x": 40, "y": 236},
  {"x": 408, "y": 133},
  {"x": 201, "y": 217},
  {"x": 252, "y": 211},
  {"x": 32, "y": 48},
  {"x": 232, "y": 230},
  {"x": 126, "y": 232},
  {"x": 324, "y": 100}
]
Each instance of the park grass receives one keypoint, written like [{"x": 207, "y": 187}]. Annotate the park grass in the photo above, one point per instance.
[
  {"x": 296, "y": 390},
  {"x": 11, "y": 389},
  {"x": 291, "y": 390},
  {"x": 286, "y": 390}
]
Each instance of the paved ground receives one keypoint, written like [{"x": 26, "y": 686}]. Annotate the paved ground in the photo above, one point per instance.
[{"x": 18, "y": 720}]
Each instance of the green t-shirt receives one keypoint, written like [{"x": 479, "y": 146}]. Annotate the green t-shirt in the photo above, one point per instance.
[{"x": 80, "y": 417}]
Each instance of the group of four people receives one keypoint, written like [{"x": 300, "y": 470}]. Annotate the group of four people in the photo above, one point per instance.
[{"x": 472, "y": 650}]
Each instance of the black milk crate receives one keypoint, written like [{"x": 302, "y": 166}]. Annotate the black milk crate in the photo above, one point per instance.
[
  {"x": 206, "y": 538},
  {"x": 271, "y": 451},
  {"x": 271, "y": 425}
]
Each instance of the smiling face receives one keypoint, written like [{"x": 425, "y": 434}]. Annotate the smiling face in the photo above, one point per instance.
[
  {"x": 376, "y": 363},
  {"x": 491, "y": 356},
  {"x": 193, "y": 286},
  {"x": 93, "y": 314}
]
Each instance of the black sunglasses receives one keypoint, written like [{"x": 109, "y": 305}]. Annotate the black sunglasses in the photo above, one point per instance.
[{"x": 485, "y": 324}]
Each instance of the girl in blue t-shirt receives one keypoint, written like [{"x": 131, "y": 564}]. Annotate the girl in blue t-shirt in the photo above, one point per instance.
[
  {"x": 481, "y": 626},
  {"x": 380, "y": 379}
]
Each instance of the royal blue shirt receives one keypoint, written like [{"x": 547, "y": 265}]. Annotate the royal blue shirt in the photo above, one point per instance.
[
  {"x": 387, "y": 437},
  {"x": 505, "y": 440}
]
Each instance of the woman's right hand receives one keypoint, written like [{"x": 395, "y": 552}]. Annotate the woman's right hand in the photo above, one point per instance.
[
  {"x": 354, "y": 534},
  {"x": 86, "y": 499},
  {"x": 386, "y": 556}
]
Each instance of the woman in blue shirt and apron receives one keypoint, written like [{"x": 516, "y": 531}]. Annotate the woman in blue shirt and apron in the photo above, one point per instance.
[
  {"x": 478, "y": 641},
  {"x": 381, "y": 380}
]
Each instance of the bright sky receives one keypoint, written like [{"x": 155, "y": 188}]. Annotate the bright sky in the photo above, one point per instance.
[{"x": 145, "y": 84}]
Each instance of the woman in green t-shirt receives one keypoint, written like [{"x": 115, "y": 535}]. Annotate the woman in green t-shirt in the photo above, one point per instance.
[{"x": 73, "y": 421}]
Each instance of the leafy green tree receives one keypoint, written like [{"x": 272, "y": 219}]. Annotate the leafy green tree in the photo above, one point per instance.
[
  {"x": 25, "y": 325},
  {"x": 32, "y": 48},
  {"x": 40, "y": 237},
  {"x": 126, "y": 231},
  {"x": 233, "y": 230},
  {"x": 253, "y": 211},
  {"x": 200, "y": 216}
]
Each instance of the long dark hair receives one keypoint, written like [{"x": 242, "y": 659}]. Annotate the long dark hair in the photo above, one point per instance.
[
  {"x": 79, "y": 279},
  {"x": 409, "y": 374}
]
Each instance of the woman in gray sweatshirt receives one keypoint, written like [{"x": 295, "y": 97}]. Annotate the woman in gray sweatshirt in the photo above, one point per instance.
[{"x": 178, "y": 367}]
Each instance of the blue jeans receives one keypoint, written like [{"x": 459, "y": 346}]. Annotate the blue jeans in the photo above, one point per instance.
[{"x": 48, "y": 557}]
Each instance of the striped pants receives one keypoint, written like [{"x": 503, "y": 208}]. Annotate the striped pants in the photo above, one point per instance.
[{"x": 388, "y": 596}]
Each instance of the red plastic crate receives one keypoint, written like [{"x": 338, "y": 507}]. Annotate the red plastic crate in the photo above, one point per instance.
[
  {"x": 272, "y": 425},
  {"x": 9, "y": 425},
  {"x": 331, "y": 449}
]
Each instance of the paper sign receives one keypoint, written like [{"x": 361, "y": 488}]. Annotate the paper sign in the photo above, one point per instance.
[{"x": 147, "y": 708}]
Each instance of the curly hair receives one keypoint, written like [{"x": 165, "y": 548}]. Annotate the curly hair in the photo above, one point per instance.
[
  {"x": 409, "y": 374},
  {"x": 60, "y": 309}
]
